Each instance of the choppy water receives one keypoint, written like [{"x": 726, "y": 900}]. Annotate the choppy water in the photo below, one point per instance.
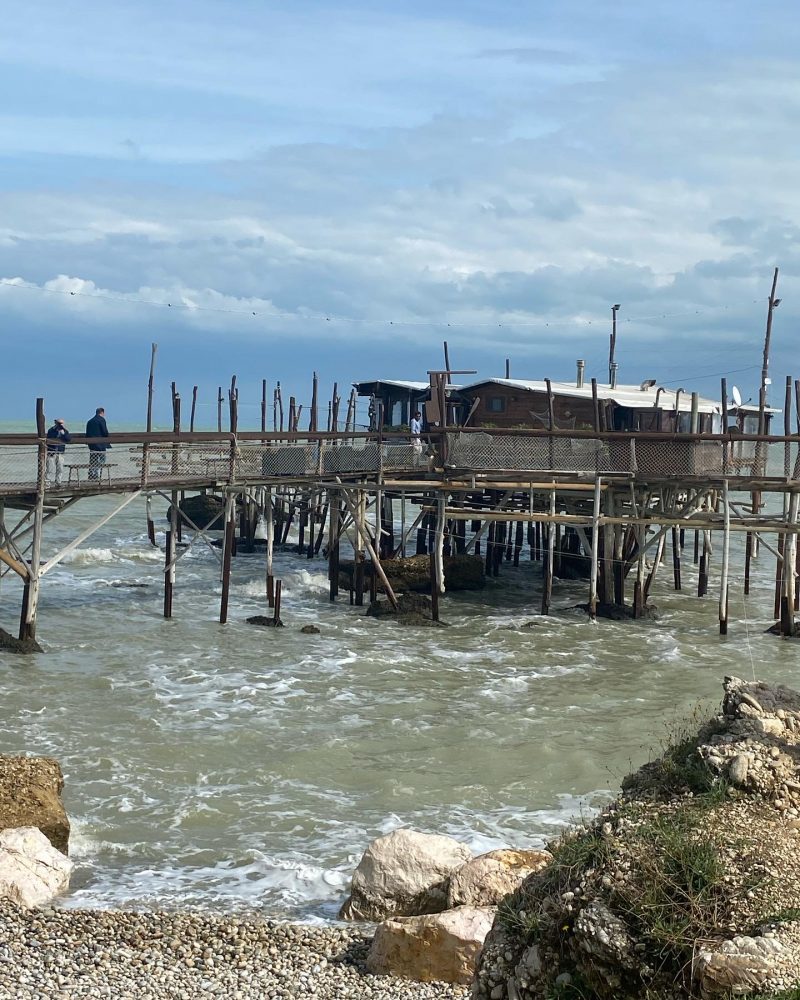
[{"x": 230, "y": 766}]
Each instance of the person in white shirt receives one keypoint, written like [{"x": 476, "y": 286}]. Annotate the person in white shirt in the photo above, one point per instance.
[{"x": 416, "y": 431}]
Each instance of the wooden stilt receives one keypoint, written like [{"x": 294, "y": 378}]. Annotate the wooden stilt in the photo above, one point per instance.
[
  {"x": 676, "y": 558},
  {"x": 230, "y": 532},
  {"x": 726, "y": 548},
  {"x": 269, "y": 517},
  {"x": 639, "y": 585},
  {"x": 151, "y": 528},
  {"x": 32, "y": 586},
  {"x": 702, "y": 576},
  {"x": 657, "y": 558},
  {"x": 334, "y": 531},
  {"x": 518, "y": 536},
  {"x": 595, "y": 554},
  {"x": 779, "y": 577},
  {"x": 547, "y": 590},
  {"x": 790, "y": 561}
]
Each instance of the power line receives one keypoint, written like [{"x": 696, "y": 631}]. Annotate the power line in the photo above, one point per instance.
[{"x": 573, "y": 321}]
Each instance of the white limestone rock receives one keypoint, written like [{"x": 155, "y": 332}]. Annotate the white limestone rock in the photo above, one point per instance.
[
  {"x": 32, "y": 871},
  {"x": 485, "y": 880},
  {"x": 404, "y": 873},
  {"x": 438, "y": 947}
]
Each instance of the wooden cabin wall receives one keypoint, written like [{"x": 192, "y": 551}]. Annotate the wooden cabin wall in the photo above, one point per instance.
[{"x": 569, "y": 412}]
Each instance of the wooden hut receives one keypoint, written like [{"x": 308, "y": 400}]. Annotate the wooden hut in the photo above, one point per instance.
[{"x": 501, "y": 402}]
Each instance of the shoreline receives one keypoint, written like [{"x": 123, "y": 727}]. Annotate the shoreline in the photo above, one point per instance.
[{"x": 180, "y": 955}]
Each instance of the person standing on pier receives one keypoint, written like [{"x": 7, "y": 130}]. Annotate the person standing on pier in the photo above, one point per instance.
[
  {"x": 416, "y": 431},
  {"x": 59, "y": 436},
  {"x": 96, "y": 427}
]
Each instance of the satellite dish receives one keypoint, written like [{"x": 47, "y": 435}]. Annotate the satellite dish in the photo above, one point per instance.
[{"x": 736, "y": 396}]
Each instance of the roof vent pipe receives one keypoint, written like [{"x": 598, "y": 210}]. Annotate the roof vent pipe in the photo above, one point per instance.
[
  {"x": 579, "y": 380},
  {"x": 612, "y": 371}
]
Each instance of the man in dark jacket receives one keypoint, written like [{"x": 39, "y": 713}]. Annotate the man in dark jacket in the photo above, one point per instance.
[
  {"x": 96, "y": 427},
  {"x": 57, "y": 437}
]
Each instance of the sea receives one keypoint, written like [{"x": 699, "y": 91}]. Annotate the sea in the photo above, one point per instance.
[{"x": 232, "y": 767}]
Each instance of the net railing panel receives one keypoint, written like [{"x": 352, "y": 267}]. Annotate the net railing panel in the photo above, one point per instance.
[{"x": 182, "y": 463}]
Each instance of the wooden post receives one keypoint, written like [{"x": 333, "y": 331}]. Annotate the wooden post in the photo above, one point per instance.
[
  {"x": 358, "y": 555},
  {"x": 151, "y": 528},
  {"x": 194, "y": 408},
  {"x": 639, "y": 598},
  {"x": 30, "y": 600},
  {"x": 230, "y": 531},
  {"x": 790, "y": 565},
  {"x": 169, "y": 564},
  {"x": 312, "y": 420},
  {"x": 779, "y": 572},
  {"x": 270, "y": 519},
  {"x": 263, "y": 406},
  {"x": 702, "y": 577},
  {"x": 276, "y": 618},
  {"x": 726, "y": 548},
  {"x": 334, "y": 532},
  {"x": 595, "y": 550},
  {"x": 547, "y": 589},
  {"x": 748, "y": 555},
  {"x": 153, "y": 352},
  {"x": 651, "y": 577},
  {"x": 676, "y": 558},
  {"x": 220, "y": 400}
]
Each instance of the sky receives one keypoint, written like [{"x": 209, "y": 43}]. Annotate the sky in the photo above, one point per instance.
[{"x": 271, "y": 189}]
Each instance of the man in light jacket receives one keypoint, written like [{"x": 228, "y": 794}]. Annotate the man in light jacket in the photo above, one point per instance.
[{"x": 57, "y": 437}]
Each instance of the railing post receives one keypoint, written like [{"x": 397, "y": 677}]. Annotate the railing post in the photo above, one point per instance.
[{"x": 232, "y": 462}]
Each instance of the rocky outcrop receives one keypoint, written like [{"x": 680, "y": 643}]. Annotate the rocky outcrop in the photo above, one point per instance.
[
  {"x": 30, "y": 795},
  {"x": 439, "y": 947},
  {"x": 413, "y": 575},
  {"x": 687, "y": 885},
  {"x": 32, "y": 871},
  {"x": 203, "y": 508},
  {"x": 10, "y": 644},
  {"x": 412, "y": 609},
  {"x": 404, "y": 873},
  {"x": 487, "y": 879}
]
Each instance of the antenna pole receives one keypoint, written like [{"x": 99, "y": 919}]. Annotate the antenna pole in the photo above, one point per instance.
[
  {"x": 613, "y": 343},
  {"x": 762, "y": 396}
]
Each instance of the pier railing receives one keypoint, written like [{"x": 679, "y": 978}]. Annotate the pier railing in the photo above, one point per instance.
[
  {"x": 645, "y": 455},
  {"x": 150, "y": 461}
]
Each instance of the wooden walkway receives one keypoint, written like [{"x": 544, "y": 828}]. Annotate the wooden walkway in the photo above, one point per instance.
[{"x": 614, "y": 498}]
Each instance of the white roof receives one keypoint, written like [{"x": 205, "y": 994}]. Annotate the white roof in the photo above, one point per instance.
[
  {"x": 623, "y": 395},
  {"x": 400, "y": 383}
]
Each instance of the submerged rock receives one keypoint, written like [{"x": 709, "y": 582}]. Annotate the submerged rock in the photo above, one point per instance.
[
  {"x": 30, "y": 795},
  {"x": 203, "y": 508},
  {"x": 10, "y": 644},
  {"x": 412, "y": 609},
  {"x": 462, "y": 572},
  {"x": 404, "y": 873},
  {"x": 687, "y": 885},
  {"x": 622, "y": 613},
  {"x": 311, "y": 630},
  {"x": 266, "y": 621}
]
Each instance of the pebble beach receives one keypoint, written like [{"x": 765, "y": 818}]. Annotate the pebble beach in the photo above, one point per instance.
[
  {"x": 157, "y": 955},
  {"x": 133, "y": 955}
]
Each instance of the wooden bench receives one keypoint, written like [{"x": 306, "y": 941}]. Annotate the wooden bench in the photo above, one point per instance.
[{"x": 76, "y": 468}]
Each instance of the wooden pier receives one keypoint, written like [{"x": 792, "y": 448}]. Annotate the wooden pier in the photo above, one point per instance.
[{"x": 612, "y": 500}]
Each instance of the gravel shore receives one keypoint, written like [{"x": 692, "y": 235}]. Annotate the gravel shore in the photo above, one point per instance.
[{"x": 46, "y": 954}]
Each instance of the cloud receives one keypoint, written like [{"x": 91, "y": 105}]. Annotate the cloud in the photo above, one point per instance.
[{"x": 367, "y": 179}]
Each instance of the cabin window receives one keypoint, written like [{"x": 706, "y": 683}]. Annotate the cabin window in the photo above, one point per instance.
[{"x": 496, "y": 404}]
